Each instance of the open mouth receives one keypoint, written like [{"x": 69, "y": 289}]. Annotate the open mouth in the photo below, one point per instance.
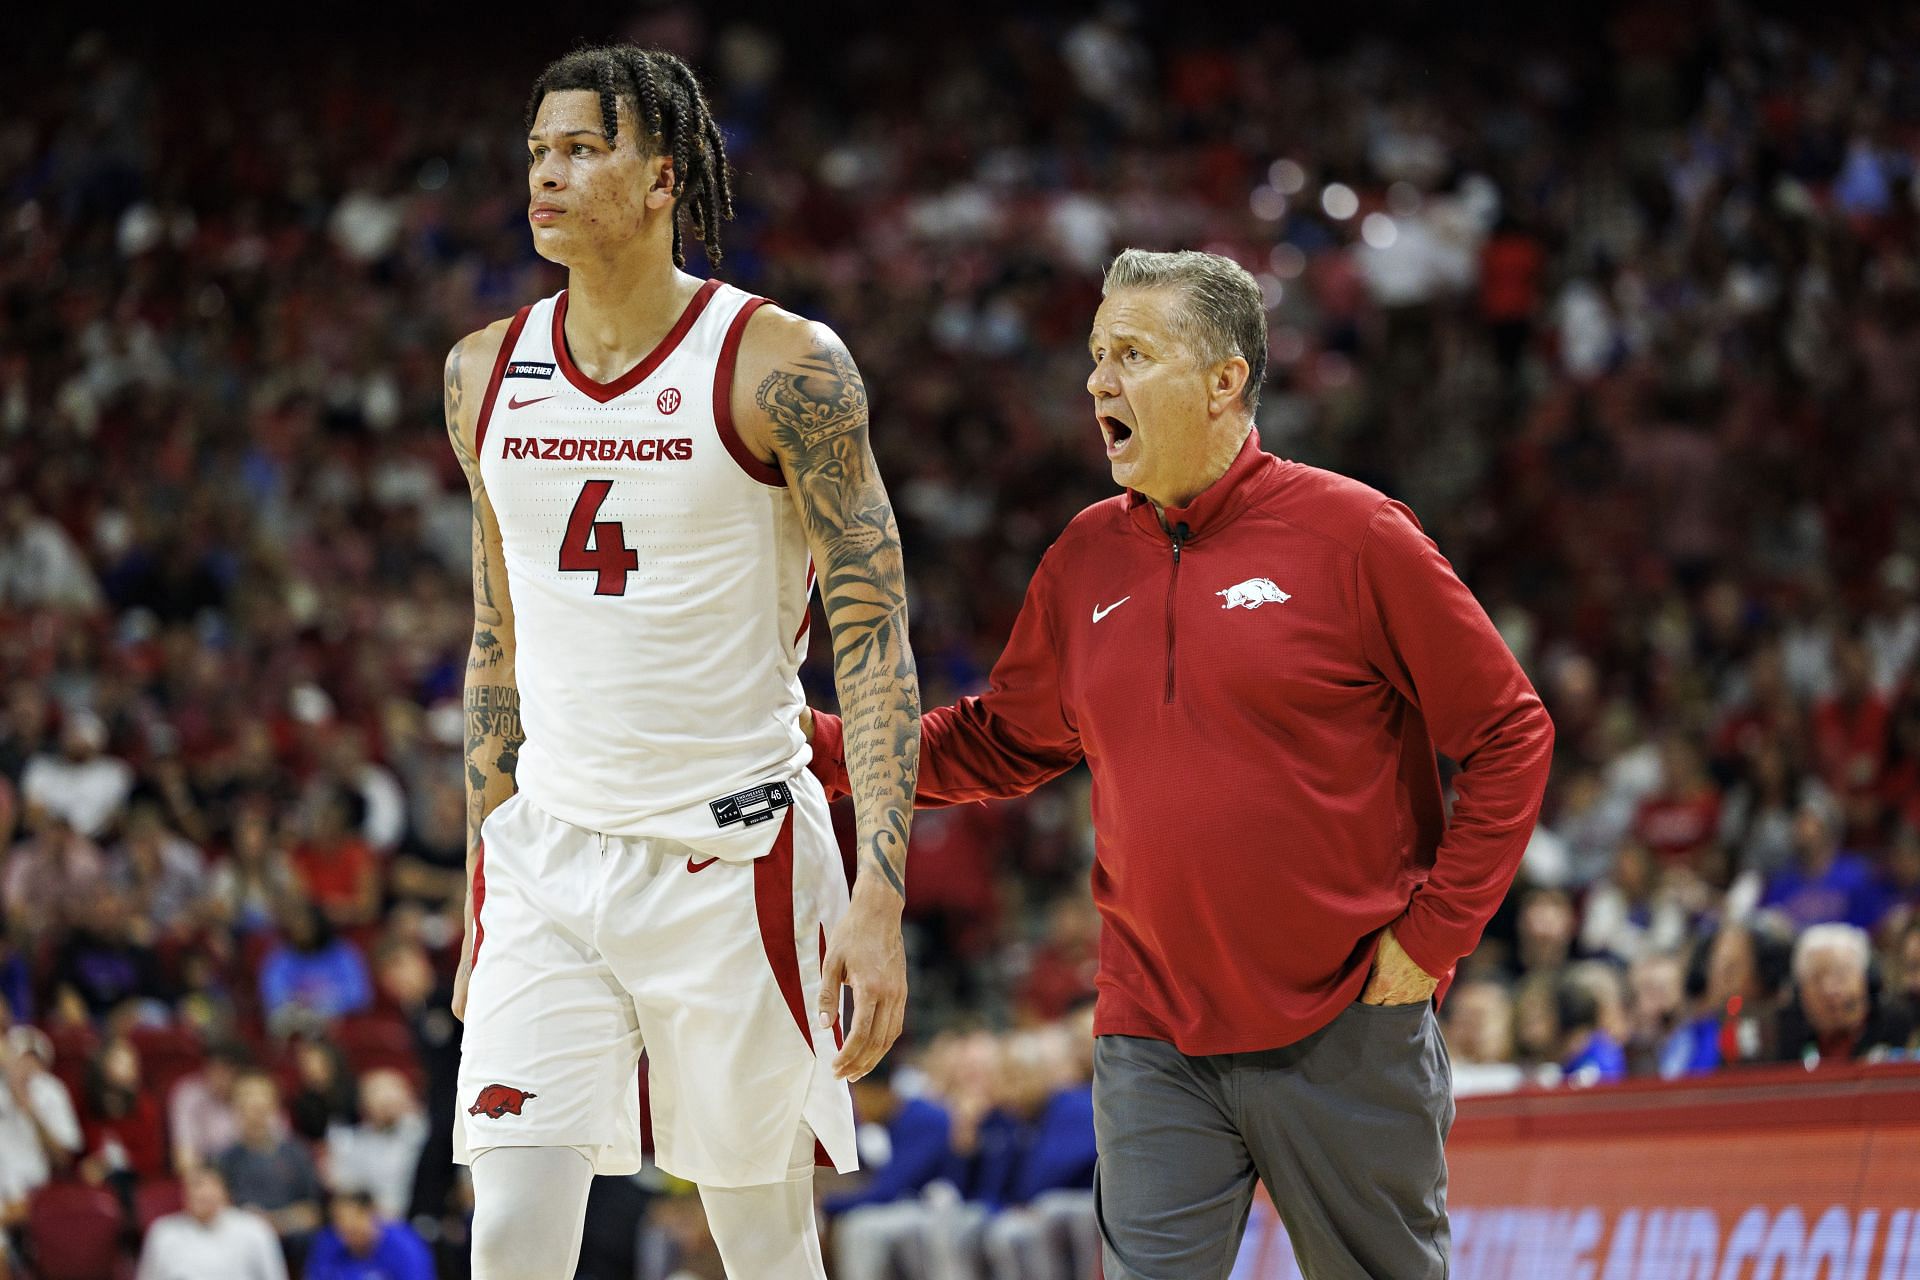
[{"x": 1116, "y": 432}]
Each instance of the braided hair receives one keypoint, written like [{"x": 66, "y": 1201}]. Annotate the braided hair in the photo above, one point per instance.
[{"x": 667, "y": 101}]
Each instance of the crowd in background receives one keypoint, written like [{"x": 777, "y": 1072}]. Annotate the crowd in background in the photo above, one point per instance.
[{"x": 1628, "y": 313}]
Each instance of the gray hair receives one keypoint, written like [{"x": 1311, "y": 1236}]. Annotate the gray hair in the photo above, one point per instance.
[
  {"x": 1831, "y": 937},
  {"x": 1224, "y": 316}
]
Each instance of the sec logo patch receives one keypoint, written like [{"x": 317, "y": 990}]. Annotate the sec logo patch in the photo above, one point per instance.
[{"x": 669, "y": 400}]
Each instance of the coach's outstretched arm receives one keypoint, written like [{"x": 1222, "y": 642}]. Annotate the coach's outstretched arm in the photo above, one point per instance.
[
  {"x": 799, "y": 398},
  {"x": 493, "y": 733}
]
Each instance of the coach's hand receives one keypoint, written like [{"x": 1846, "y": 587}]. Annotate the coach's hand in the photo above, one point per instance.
[
  {"x": 806, "y": 721},
  {"x": 865, "y": 952},
  {"x": 1396, "y": 979}
]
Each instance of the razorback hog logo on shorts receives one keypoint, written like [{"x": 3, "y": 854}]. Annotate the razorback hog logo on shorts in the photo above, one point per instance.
[
  {"x": 497, "y": 1100},
  {"x": 1253, "y": 593}
]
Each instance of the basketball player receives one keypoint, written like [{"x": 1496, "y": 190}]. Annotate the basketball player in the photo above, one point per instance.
[{"x": 658, "y": 465}]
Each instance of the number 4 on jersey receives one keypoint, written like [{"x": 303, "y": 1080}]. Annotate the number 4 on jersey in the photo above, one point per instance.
[{"x": 597, "y": 546}]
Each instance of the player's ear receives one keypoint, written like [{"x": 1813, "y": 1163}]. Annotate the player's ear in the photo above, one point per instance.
[{"x": 660, "y": 182}]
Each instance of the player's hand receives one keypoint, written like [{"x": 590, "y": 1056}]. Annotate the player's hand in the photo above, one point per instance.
[
  {"x": 865, "y": 952},
  {"x": 1396, "y": 979}
]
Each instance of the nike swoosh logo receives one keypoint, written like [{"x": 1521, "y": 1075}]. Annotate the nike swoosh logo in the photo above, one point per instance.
[
  {"x": 695, "y": 865},
  {"x": 515, "y": 403},
  {"x": 1099, "y": 613}
]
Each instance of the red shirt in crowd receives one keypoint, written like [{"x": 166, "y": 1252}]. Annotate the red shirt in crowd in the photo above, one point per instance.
[
  {"x": 336, "y": 875},
  {"x": 136, "y": 1141},
  {"x": 1676, "y": 828},
  {"x": 1259, "y": 704}
]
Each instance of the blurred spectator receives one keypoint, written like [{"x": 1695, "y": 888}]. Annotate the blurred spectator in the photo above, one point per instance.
[
  {"x": 39, "y": 1131},
  {"x": 200, "y": 1113},
  {"x": 1824, "y": 883},
  {"x": 1840, "y": 1010},
  {"x": 50, "y": 875},
  {"x": 1546, "y": 931},
  {"x": 124, "y": 1125},
  {"x": 40, "y": 567},
  {"x": 163, "y": 875},
  {"x": 1637, "y": 909},
  {"x": 336, "y": 867},
  {"x": 268, "y": 1172},
  {"x": 359, "y": 1242},
  {"x": 1757, "y": 823},
  {"x": 912, "y": 1153},
  {"x": 1746, "y": 968},
  {"x": 251, "y": 888},
  {"x": 1850, "y": 738},
  {"x": 1656, "y": 1005},
  {"x": 1477, "y": 1020},
  {"x": 1680, "y": 822},
  {"x": 1892, "y": 630},
  {"x": 1061, "y": 971},
  {"x": 371, "y": 788},
  {"x": 379, "y": 1155},
  {"x": 429, "y": 869},
  {"x": 1048, "y": 1232},
  {"x": 1901, "y": 785},
  {"x": 1908, "y": 952},
  {"x": 104, "y": 961},
  {"x": 312, "y": 975},
  {"x": 408, "y": 983},
  {"x": 324, "y": 1094},
  {"x": 83, "y": 786},
  {"x": 210, "y": 1239},
  {"x": 1536, "y": 1022},
  {"x": 1584, "y": 1005}
]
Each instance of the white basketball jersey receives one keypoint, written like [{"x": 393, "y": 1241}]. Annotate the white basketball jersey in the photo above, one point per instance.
[{"x": 659, "y": 576}]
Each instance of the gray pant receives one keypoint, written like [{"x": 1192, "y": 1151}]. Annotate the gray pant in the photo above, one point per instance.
[{"x": 1346, "y": 1128}]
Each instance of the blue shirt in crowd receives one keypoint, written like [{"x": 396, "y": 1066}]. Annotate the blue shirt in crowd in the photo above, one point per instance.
[
  {"x": 1060, "y": 1150},
  {"x": 1845, "y": 892},
  {"x": 919, "y": 1136},
  {"x": 1601, "y": 1059},
  {"x": 399, "y": 1254}
]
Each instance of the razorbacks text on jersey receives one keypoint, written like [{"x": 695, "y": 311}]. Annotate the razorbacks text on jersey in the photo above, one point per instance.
[{"x": 659, "y": 575}]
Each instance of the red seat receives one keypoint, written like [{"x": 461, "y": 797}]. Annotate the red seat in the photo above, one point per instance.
[
  {"x": 75, "y": 1231},
  {"x": 154, "y": 1200},
  {"x": 167, "y": 1054},
  {"x": 73, "y": 1048},
  {"x": 370, "y": 1043}
]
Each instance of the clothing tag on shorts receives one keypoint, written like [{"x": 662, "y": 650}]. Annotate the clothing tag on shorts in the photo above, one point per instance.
[{"x": 752, "y": 806}]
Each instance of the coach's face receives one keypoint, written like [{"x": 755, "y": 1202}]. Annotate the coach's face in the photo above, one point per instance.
[
  {"x": 587, "y": 200},
  {"x": 1168, "y": 418}
]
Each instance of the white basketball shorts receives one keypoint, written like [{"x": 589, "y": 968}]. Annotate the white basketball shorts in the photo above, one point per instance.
[{"x": 588, "y": 947}]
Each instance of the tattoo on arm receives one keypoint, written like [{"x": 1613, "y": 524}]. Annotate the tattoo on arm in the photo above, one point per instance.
[
  {"x": 494, "y": 735},
  {"x": 494, "y": 738},
  {"x": 818, "y": 408},
  {"x": 486, "y": 611}
]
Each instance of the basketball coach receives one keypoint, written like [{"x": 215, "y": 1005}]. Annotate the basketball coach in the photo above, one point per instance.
[{"x": 1258, "y": 660}]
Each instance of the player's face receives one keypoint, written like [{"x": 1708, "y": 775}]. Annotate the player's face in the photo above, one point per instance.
[
  {"x": 1150, "y": 396},
  {"x": 586, "y": 198}
]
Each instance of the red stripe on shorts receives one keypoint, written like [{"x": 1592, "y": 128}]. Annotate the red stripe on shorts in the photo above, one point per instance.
[
  {"x": 479, "y": 898},
  {"x": 773, "y": 903}
]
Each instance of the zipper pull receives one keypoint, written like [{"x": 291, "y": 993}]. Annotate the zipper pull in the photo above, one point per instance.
[{"x": 1180, "y": 535}]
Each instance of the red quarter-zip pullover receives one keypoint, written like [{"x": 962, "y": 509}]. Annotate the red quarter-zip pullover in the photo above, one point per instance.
[{"x": 1259, "y": 702}]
